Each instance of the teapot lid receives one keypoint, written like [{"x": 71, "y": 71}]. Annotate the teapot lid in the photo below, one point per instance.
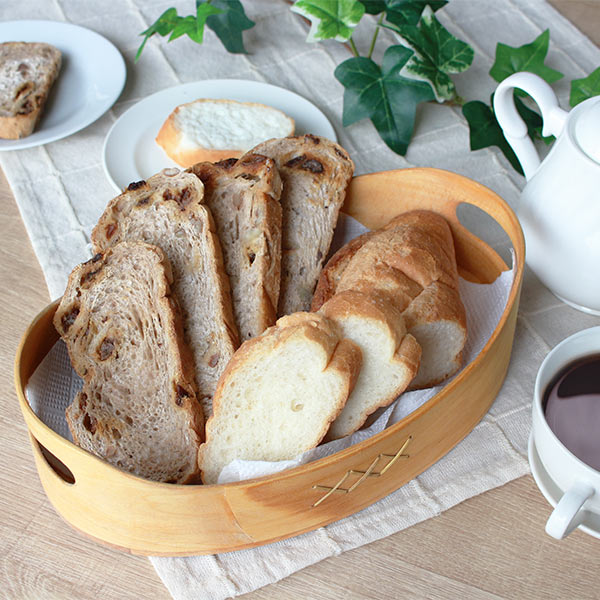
[{"x": 587, "y": 131}]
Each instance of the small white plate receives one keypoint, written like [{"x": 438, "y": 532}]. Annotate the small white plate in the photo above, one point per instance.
[
  {"x": 91, "y": 78},
  {"x": 131, "y": 152},
  {"x": 552, "y": 493}
]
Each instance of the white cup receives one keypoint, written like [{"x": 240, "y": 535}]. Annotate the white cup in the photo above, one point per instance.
[{"x": 578, "y": 483}]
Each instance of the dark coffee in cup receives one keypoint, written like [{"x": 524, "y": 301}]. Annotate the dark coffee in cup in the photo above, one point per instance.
[{"x": 571, "y": 405}]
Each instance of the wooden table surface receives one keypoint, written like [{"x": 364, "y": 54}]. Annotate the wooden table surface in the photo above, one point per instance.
[{"x": 491, "y": 546}]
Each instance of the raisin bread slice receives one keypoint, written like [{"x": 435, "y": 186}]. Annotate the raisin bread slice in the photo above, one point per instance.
[
  {"x": 279, "y": 393},
  {"x": 315, "y": 173},
  {"x": 138, "y": 408},
  {"x": 27, "y": 72},
  {"x": 243, "y": 198},
  {"x": 167, "y": 211},
  {"x": 390, "y": 355}
]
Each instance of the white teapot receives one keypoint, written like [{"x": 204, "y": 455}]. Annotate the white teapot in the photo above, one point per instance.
[{"x": 559, "y": 209}]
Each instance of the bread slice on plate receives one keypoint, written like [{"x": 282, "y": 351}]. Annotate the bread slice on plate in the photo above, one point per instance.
[
  {"x": 27, "y": 72},
  {"x": 315, "y": 173},
  {"x": 243, "y": 198},
  {"x": 212, "y": 130},
  {"x": 138, "y": 408},
  {"x": 279, "y": 393},
  {"x": 168, "y": 211},
  {"x": 411, "y": 261},
  {"x": 390, "y": 355}
]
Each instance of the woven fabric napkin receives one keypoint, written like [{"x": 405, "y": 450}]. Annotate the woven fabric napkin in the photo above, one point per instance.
[{"x": 61, "y": 191}]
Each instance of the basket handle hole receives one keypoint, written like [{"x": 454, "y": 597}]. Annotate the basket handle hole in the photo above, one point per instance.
[
  {"x": 486, "y": 228},
  {"x": 56, "y": 465}
]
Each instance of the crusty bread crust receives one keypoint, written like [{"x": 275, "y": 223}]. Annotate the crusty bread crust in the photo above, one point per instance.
[
  {"x": 171, "y": 137},
  {"x": 335, "y": 356},
  {"x": 315, "y": 173},
  {"x": 411, "y": 261},
  {"x": 27, "y": 72},
  {"x": 332, "y": 272},
  {"x": 103, "y": 418},
  {"x": 243, "y": 197},
  {"x": 403, "y": 360},
  {"x": 168, "y": 210}
]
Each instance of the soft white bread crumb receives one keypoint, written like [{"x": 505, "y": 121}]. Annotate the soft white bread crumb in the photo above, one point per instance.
[
  {"x": 390, "y": 355},
  {"x": 279, "y": 393},
  {"x": 211, "y": 130}
]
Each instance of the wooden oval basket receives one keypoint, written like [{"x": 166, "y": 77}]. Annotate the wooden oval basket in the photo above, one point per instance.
[{"x": 145, "y": 517}]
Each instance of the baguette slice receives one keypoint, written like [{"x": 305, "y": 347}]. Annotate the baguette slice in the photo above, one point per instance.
[
  {"x": 315, "y": 173},
  {"x": 27, "y": 72},
  {"x": 212, "y": 130},
  {"x": 279, "y": 393},
  {"x": 411, "y": 261},
  {"x": 243, "y": 198},
  {"x": 138, "y": 408},
  {"x": 167, "y": 211},
  {"x": 390, "y": 355}
]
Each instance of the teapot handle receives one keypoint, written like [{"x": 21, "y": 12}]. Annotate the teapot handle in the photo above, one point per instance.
[{"x": 513, "y": 127}]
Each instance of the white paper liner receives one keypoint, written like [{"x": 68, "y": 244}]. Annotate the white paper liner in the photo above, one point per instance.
[{"x": 54, "y": 384}]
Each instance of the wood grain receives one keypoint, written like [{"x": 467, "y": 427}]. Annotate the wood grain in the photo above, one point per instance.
[{"x": 491, "y": 546}]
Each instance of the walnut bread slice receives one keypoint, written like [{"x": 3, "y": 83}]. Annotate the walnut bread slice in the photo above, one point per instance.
[
  {"x": 315, "y": 174},
  {"x": 168, "y": 211},
  {"x": 243, "y": 198},
  {"x": 279, "y": 393},
  {"x": 390, "y": 355},
  {"x": 27, "y": 72},
  {"x": 138, "y": 408}
]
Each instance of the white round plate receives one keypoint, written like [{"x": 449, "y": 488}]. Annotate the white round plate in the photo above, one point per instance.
[
  {"x": 552, "y": 493},
  {"x": 131, "y": 152},
  {"x": 91, "y": 78}
]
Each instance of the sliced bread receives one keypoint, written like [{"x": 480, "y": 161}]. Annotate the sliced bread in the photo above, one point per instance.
[
  {"x": 279, "y": 393},
  {"x": 243, "y": 198},
  {"x": 167, "y": 211},
  {"x": 138, "y": 408},
  {"x": 315, "y": 173},
  {"x": 390, "y": 355},
  {"x": 27, "y": 72},
  {"x": 212, "y": 130},
  {"x": 411, "y": 261}
]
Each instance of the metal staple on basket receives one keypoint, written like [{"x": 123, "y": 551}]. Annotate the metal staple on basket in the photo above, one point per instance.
[{"x": 370, "y": 472}]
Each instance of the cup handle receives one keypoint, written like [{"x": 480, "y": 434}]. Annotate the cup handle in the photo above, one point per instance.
[
  {"x": 568, "y": 514},
  {"x": 513, "y": 126}
]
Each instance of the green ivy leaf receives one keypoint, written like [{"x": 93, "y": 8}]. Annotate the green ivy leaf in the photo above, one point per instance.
[
  {"x": 163, "y": 26},
  {"x": 383, "y": 95},
  {"x": 330, "y": 19},
  {"x": 229, "y": 24},
  {"x": 437, "y": 54},
  {"x": 171, "y": 23},
  {"x": 184, "y": 25},
  {"x": 484, "y": 131},
  {"x": 373, "y": 7},
  {"x": 529, "y": 57},
  {"x": 582, "y": 89},
  {"x": 408, "y": 12}
]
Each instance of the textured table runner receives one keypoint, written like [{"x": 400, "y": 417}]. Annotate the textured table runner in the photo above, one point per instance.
[{"x": 61, "y": 191}]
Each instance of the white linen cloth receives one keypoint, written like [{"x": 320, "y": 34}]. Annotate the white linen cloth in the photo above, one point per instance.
[{"x": 61, "y": 190}]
